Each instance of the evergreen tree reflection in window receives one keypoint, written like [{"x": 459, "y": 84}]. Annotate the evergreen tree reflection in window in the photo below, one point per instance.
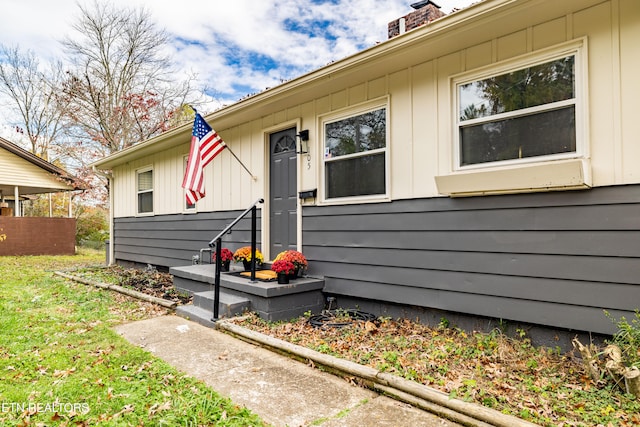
[
  {"x": 524, "y": 113},
  {"x": 355, "y": 150}
]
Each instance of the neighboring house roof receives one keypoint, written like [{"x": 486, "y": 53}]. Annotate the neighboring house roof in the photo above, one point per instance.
[{"x": 30, "y": 173}]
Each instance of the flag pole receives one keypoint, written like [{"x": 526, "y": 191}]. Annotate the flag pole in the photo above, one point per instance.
[{"x": 255, "y": 178}]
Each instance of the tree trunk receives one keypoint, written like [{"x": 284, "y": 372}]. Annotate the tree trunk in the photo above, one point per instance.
[
  {"x": 627, "y": 378},
  {"x": 589, "y": 359},
  {"x": 632, "y": 381}
]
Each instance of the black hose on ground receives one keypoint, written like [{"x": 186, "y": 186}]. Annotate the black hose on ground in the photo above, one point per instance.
[{"x": 339, "y": 318}]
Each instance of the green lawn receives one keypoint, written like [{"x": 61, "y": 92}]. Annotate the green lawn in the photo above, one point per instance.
[{"x": 61, "y": 363}]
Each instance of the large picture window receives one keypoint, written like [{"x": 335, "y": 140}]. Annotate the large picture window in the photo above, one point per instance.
[
  {"x": 355, "y": 155},
  {"x": 524, "y": 113},
  {"x": 145, "y": 191}
]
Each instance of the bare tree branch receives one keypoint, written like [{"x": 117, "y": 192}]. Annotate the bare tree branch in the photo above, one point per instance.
[
  {"x": 33, "y": 95},
  {"x": 122, "y": 88}
]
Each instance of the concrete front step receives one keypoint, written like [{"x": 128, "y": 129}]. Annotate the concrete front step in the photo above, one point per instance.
[
  {"x": 201, "y": 310},
  {"x": 228, "y": 305},
  {"x": 193, "y": 278},
  {"x": 269, "y": 299}
]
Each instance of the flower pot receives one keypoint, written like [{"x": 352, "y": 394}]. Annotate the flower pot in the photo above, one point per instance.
[
  {"x": 225, "y": 265},
  {"x": 247, "y": 265},
  {"x": 283, "y": 278},
  {"x": 294, "y": 275}
]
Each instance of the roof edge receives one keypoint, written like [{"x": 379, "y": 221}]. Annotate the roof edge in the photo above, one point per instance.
[
  {"x": 39, "y": 162},
  {"x": 475, "y": 11}
]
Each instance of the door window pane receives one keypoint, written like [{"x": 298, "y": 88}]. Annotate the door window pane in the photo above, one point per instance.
[{"x": 283, "y": 144}]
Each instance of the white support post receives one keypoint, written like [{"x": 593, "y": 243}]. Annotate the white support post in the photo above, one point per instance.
[{"x": 16, "y": 207}]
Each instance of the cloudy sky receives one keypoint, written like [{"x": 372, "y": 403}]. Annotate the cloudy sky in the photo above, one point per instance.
[{"x": 236, "y": 47}]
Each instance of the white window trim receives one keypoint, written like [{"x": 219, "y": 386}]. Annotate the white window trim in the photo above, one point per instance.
[
  {"x": 532, "y": 174},
  {"x": 183, "y": 202},
  {"x": 345, "y": 113},
  {"x": 578, "y": 48},
  {"x": 138, "y": 172}
]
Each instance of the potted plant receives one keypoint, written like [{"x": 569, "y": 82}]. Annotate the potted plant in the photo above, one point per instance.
[
  {"x": 244, "y": 255},
  {"x": 296, "y": 258},
  {"x": 226, "y": 256},
  {"x": 283, "y": 268}
]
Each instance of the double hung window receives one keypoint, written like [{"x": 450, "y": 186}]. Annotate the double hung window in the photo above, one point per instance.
[
  {"x": 522, "y": 113},
  {"x": 145, "y": 191},
  {"x": 355, "y": 155}
]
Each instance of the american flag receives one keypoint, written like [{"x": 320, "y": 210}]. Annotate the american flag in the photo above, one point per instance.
[{"x": 205, "y": 145}]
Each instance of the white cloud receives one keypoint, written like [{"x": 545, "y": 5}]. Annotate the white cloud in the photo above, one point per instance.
[{"x": 246, "y": 44}]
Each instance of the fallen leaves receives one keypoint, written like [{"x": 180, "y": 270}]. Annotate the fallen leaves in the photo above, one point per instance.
[
  {"x": 156, "y": 408},
  {"x": 62, "y": 365},
  {"x": 125, "y": 410},
  {"x": 62, "y": 373},
  {"x": 370, "y": 327},
  {"x": 492, "y": 369}
]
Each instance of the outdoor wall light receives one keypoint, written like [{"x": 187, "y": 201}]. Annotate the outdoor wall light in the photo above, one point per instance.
[{"x": 304, "y": 139}]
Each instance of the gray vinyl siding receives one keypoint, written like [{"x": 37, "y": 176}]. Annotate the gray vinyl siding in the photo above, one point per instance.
[
  {"x": 172, "y": 240},
  {"x": 556, "y": 259}
]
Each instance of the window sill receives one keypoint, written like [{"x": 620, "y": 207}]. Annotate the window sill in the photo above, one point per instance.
[
  {"x": 355, "y": 200},
  {"x": 549, "y": 176}
]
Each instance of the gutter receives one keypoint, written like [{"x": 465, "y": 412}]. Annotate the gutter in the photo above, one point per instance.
[
  {"x": 109, "y": 177},
  {"x": 122, "y": 155},
  {"x": 435, "y": 28}
]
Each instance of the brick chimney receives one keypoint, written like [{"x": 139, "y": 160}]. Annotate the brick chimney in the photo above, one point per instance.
[{"x": 425, "y": 12}]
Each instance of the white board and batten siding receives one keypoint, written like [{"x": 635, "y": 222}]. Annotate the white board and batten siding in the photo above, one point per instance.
[{"x": 226, "y": 185}]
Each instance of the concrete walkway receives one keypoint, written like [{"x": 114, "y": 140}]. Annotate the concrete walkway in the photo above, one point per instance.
[{"x": 284, "y": 392}]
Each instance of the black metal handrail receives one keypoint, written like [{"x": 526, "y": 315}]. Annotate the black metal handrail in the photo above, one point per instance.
[{"x": 216, "y": 241}]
